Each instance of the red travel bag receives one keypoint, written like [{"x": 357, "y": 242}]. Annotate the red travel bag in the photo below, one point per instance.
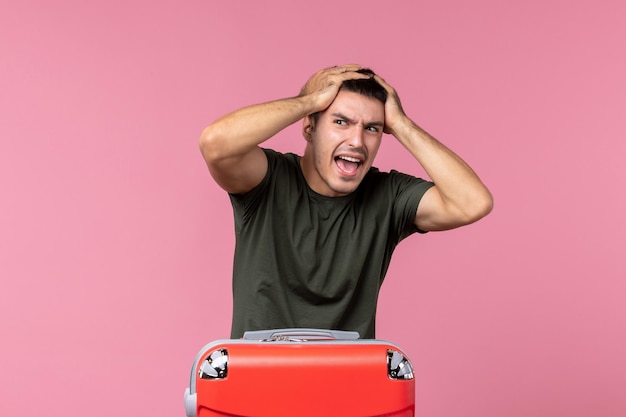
[{"x": 299, "y": 373}]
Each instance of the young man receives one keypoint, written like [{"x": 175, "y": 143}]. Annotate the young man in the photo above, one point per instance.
[{"x": 315, "y": 234}]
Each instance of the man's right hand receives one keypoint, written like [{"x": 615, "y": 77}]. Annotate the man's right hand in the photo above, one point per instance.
[
  {"x": 230, "y": 145},
  {"x": 323, "y": 86}
]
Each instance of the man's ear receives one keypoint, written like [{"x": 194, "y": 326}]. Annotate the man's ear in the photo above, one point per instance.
[{"x": 308, "y": 126}]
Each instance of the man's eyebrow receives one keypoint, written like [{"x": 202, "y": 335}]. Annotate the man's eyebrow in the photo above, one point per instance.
[
  {"x": 349, "y": 120},
  {"x": 342, "y": 116}
]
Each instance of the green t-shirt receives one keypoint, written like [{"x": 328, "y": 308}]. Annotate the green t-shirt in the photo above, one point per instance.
[{"x": 309, "y": 261}]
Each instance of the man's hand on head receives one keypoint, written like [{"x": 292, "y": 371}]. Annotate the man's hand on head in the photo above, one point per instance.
[
  {"x": 394, "y": 114},
  {"x": 323, "y": 86}
]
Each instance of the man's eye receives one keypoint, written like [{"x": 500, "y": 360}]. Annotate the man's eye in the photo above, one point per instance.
[
  {"x": 372, "y": 129},
  {"x": 340, "y": 122}
]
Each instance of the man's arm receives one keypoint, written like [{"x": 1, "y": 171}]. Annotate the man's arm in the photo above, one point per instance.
[
  {"x": 230, "y": 145},
  {"x": 459, "y": 197}
]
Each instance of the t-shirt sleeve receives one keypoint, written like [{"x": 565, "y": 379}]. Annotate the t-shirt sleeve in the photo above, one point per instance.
[
  {"x": 245, "y": 205},
  {"x": 409, "y": 191}
]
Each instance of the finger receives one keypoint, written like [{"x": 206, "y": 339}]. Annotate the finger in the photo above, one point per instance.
[
  {"x": 339, "y": 69},
  {"x": 350, "y": 68},
  {"x": 384, "y": 83},
  {"x": 380, "y": 80},
  {"x": 355, "y": 74}
]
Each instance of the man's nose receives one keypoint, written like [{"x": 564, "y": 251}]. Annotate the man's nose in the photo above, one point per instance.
[{"x": 356, "y": 136}]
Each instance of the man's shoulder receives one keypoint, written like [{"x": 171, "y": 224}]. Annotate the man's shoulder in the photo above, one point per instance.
[
  {"x": 276, "y": 158},
  {"x": 282, "y": 168},
  {"x": 392, "y": 183},
  {"x": 392, "y": 175},
  {"x": 278, "y": 154},
  {"x": 376, "y": 176}
]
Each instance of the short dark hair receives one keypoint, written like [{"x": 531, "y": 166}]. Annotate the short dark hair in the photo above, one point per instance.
[{"x": 367, "y": 87}]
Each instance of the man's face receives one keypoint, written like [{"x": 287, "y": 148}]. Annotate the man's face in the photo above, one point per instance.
[{"x": 343, "y": 143}]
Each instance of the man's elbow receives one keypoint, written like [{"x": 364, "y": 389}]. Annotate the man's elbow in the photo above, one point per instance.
[
  {"x": 209, "y": 144},
  {"x": 481, "y": 206}
]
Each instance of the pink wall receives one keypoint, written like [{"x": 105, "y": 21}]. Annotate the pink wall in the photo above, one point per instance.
[{"x": 115, "y": 246}]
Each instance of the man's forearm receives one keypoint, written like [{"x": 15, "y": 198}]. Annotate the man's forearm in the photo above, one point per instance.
[
  {"x": 461, "y": 190},
  {"x": 239, "y": 132}
]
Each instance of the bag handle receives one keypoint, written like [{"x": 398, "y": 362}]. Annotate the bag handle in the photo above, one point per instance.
[{"x": 299, "y": 335}]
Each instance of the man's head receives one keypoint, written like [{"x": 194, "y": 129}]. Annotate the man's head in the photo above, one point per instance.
[
  {"x": 367, "y": 87},
  {"x": 342, "y": 140}
]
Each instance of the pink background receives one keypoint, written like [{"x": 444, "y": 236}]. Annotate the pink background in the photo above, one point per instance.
[{"x": 116, "y": 246}]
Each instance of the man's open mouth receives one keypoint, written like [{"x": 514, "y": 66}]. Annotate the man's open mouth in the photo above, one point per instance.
[{"x": 348, "y": 165}]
